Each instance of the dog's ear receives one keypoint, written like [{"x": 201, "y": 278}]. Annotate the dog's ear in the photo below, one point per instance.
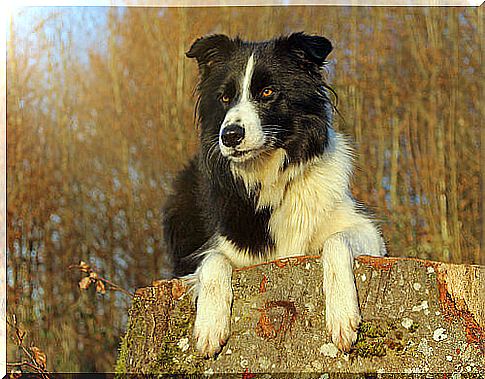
[
  {"x": 310, "y": 47},
  {"x": 211, "y": 49}
]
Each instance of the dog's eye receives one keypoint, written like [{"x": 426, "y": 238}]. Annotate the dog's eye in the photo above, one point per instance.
[
  {"x": 225, "y": 99},
  {"x": 267, "y": 92}
]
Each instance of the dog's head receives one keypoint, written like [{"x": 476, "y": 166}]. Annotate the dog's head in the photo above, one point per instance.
[{"x": 258, "y": 96}]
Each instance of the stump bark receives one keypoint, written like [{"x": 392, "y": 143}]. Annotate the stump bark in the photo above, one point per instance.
[{"x": 418, "y": 316}]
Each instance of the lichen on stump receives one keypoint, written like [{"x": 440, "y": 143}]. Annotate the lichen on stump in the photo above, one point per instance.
[{"x": 418, "y": 316}]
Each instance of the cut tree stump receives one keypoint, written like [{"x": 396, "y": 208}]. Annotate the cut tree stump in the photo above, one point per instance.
[{"x": 418, "y": 316}]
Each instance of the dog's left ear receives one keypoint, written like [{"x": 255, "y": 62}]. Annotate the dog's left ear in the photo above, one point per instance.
[{"x": 313, "y": 48}]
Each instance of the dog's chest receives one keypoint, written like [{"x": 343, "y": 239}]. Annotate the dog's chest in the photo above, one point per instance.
[
  {"x": 302, "y": 211},
  {"x": 300, "y": 203}
]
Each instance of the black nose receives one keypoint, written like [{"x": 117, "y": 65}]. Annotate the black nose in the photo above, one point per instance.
[{"x": 232, "y": 135}]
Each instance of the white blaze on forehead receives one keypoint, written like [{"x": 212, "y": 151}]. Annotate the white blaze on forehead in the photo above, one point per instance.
[
  {"x": 245, "y": 114},
  {"x": 246, "y": 82}
]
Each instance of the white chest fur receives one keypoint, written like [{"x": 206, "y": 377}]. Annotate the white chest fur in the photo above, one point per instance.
[{"x": 309, "y": 201}]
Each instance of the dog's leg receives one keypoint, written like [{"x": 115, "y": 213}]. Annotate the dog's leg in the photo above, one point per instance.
[
  {"x": 214, "y": 298},
  {"x": 342, "y": 307}
]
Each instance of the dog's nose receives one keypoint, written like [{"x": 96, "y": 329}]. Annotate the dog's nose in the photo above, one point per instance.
[{"x": 232, "y": 135}]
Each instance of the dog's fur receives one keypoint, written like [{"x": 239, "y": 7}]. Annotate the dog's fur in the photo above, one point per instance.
[{"x": 271, "y": 180}]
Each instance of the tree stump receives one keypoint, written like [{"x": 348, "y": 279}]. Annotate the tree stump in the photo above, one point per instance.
[{"x": 418, "y": 317}]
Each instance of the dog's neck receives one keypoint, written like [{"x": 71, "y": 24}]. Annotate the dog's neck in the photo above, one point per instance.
[
  {"x": 263, "y": 171},
  {"x": 267, "y": 178}
]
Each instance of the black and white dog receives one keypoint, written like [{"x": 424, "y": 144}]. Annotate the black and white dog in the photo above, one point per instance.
[{"x": 271, "y": 180}]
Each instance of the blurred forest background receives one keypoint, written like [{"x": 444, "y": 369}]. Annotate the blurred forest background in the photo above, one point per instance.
[{"x": 101, "y": 115}]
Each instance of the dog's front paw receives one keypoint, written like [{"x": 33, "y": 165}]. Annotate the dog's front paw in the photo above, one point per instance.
[
  {"x": 342, "y": 324},
  {"x": 212, "y": 327}
]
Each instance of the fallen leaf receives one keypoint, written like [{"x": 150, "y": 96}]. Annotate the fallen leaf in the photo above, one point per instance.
[
  {"x": 100, "y": 287},
  {"x": 39, "y": 356},
  {"x": 84, "y": 266},
  {"x": 84, "y": 283}
]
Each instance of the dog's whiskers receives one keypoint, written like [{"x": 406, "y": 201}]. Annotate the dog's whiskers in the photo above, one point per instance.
[{"x": 211, "y": 152}]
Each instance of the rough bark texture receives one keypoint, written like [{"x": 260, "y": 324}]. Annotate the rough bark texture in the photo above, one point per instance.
[{"x": 418, "y": 316}]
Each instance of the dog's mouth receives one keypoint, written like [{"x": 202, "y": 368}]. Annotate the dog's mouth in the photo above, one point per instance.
[
  {"x": 243, "y": 155},
  {"x": 238, "y": 153}
]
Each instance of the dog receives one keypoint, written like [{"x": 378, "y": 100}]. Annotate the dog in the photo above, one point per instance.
[{"x": 271, "y": 180}]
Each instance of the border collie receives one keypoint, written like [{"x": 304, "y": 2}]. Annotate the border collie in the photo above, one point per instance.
[{"x": 271, "y": 180}]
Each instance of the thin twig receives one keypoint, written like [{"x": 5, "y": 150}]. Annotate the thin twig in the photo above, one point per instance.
[
  {"x": 20, "y": 343},
  {"x": 18, "y": 364},
  {"x": 37, "y": 369},
  {"x": 13, "y": 364},
  {"x": 111, "y": 285},
  {"x": 116, "y": 287}
]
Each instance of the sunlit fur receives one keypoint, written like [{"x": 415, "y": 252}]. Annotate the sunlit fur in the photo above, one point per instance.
[{"x": 282, "y": 191}]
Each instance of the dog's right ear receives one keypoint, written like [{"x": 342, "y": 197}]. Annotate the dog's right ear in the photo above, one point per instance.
[{"x": 210, "y": 50}]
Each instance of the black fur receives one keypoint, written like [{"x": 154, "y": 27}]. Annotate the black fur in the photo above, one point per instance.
[{"x": 207, "y": 198}]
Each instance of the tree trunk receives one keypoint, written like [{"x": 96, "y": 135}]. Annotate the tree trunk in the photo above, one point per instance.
[{"x": 418, "y": 316}]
